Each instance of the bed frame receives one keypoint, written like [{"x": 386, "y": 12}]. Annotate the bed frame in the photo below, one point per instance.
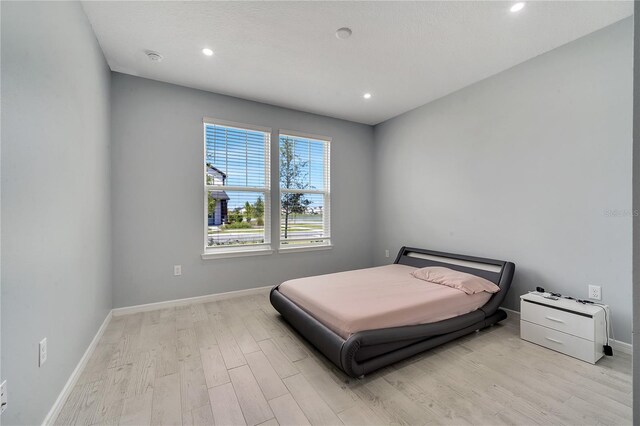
[{"x": 367, "y": 351}]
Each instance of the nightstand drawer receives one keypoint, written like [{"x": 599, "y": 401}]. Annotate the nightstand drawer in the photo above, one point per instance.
[
  {"x": 553, "y": 339},
  {"x": 566, "y": 322}
]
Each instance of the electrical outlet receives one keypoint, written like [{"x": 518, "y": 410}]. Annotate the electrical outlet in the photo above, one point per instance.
[
  {"x": 595, "y": 292},
  {"x": 43, "y": 351},
  {"x": 386, "y": 253},
  {"x": 177, "y": 270},
  {"x": 3, "y": 396}
]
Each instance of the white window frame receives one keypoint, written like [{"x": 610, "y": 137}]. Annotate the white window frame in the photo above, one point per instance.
[
  {"x": 239, "y": 250},
  {"x": 326, "y": 192}
]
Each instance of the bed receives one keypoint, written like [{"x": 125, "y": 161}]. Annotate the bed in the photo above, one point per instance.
[{"x": 360, "y": 334}]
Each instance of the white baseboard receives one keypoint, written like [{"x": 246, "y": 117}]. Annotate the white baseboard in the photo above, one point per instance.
[
  {"x": 616, "y": 345},
  {"x": 181, "y": 302},
  {"x": 75, "y": 375},
  {"x": 509, "y": 310},
  {"x": 624, "y": 347}
]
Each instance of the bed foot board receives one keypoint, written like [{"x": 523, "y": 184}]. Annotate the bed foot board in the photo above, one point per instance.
[
  {"x": 325, "y": 340},
  {"x": 343, "y": 353},
  {"x": 355, "y": 369}
]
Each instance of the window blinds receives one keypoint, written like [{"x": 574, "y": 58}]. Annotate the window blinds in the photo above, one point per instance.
[{"x": 237, "y": 184}]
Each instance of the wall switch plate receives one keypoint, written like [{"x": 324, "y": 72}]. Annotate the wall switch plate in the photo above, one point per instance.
[
  {"x": 177, "y": 270},
  {"x": 595, "y": 292},
  {"x": 386, "y": 253},
  {"x": 3, "y": 396},
  {"x": 43, "y": 351}
]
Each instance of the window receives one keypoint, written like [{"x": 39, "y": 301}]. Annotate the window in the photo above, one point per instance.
[
  {"x": 237, "y": 187},
  {"x": 304, "y": 191}
]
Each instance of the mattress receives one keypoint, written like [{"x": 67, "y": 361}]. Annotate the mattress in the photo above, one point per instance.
[{"x": 375, "y": 298}]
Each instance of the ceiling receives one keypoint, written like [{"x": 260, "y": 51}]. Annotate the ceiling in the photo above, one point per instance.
[{"x": 286, "y": 53}]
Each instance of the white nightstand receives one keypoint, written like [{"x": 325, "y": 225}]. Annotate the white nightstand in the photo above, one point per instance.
[{"x": 564, "y": 325}]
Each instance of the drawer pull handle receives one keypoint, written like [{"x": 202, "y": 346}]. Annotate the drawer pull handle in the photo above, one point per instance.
[
  {"x": 554, "y": 319},
  {"x": 553, "y": 340}
]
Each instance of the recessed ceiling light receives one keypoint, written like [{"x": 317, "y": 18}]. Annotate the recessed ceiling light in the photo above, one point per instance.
[
  {"x": 207, "y": 51},
  {"x": 517, "y": 7},
  {"x": 154, "y": 56},
  {"x": 367, "y": 96},
  {"x": 343, "y": 33}
]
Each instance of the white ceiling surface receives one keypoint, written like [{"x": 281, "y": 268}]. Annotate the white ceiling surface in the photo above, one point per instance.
[{"x": 286, "y": 53}]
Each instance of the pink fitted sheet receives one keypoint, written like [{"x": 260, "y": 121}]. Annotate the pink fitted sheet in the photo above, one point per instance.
[{"x": 373, "y": 298}]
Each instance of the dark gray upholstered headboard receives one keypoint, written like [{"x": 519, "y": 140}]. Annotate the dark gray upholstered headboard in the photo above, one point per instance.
[{"x": 496, "y": 271}]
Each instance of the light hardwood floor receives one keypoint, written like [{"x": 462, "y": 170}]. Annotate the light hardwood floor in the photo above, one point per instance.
[{"x": 236, "y": 362}]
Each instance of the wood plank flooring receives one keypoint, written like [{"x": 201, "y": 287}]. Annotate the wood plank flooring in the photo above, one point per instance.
[{"x": 236, "y": 362}]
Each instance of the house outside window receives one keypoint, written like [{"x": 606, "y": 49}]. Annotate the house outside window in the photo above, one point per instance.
[{"x": 217, "y": 200}]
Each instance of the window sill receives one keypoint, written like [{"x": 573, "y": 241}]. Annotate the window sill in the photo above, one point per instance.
[
  {"x": 303, "y": 249},
  {"x": 236, "y": 253}
]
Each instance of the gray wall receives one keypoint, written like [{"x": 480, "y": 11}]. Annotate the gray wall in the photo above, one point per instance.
[
  {"x": 523, "y": 166},
  {"x": 56, "y": 250},
  {"x": 636, "y": 208},
  {"x": 157, "y": 193}
]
